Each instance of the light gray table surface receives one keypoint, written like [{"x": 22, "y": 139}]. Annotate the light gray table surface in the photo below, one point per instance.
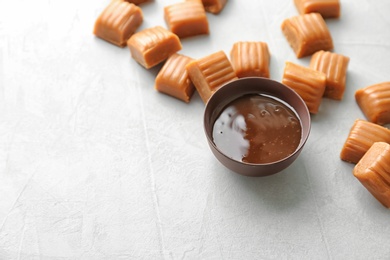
[{"x": 96, "y": 164}]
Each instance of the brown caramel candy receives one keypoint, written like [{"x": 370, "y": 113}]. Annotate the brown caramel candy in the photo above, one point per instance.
[
  {"x": 151, "y": 46},
  {"x": 327, "y": 8},
  {"x": 137, "y": 2},
  {"x": 373, "y": 171},
  {"x": 118, "y": 22},
  {"x": 186, "y": 19},
  {"x": 307, "y": 34},
  {"x": 308, "y": 83},
  {"x": 335, "y": 67},
  {"x": 210, "y": 73},
  {"x": 362, "y": 135},
  {"x": 173, "y": 78},
  {"x": 374, "y": 101},
  {"x": 250, "y": 59},
  {"x": 212, "y": 6}
]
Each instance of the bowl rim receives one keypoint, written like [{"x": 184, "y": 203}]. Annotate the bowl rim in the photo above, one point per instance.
[{"x": 305, "y": 134}]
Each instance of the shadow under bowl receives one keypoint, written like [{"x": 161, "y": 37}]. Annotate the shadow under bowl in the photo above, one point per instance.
[{"x": 262, "y": 86}]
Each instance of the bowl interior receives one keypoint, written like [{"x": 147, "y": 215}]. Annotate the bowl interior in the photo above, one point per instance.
[{"x": 254, "y": 85}]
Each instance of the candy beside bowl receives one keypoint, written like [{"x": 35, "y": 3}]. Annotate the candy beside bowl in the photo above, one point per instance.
[{"x": 256, "y": 126}]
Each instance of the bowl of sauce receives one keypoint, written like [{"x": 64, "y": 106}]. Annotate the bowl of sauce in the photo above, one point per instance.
[{"x": 256, "y": 126}]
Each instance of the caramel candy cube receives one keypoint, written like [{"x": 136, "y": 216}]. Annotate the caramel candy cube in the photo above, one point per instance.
[
  {"x": 373, "y": 171},
  {"x": 118, "y": 21},
  {"x": 173, "y": 78},
  {"x": 307, "y": 34},
  {"x": 151, "y": 46},
  {"x": 335, "y": 67},
  {"x": 374, "y": 101},
  {"x": 327, "y": 8},
  {"x": 137, "y": 2},
  {"x": 212, "y": 6},
  {"x": 186, "y": 19},
  {"x": 250, "y": 59},
  {"x": 308, "y": 83},
  {"x": 362, "y": 135},
  {"x": 210, "y": 73}
]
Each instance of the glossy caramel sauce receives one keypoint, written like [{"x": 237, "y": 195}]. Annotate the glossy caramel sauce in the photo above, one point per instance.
[{"x": 257, "y": 129}]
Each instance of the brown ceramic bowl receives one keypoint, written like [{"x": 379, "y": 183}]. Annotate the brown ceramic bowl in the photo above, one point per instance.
[{"x": 254, "y": 85}]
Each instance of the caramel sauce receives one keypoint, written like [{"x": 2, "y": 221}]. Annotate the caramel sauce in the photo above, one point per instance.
[{"x": 257, "y": 129}]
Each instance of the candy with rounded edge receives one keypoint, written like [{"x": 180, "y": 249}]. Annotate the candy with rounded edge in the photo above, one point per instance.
[
  {"x": 308, "y": 83},
  {"x": 362, "y": 135},
  {"x": 118, "y": 21},
  {"x": 307, "y": 34},
  {"x": 327, "y": 8},
  {"x": 173, "y": 78},
  {"x": 212, "y": 6},
  {"x": 152, "y": 46},
  {"x": 335, "y": 67},
  {"x": 373, "y": 171},
  {"x": 374, "y": 101},
  {"x": 186, "y": 19},
  {"x": 210, "y": 73},
  {"x": 250, "y": 59}
]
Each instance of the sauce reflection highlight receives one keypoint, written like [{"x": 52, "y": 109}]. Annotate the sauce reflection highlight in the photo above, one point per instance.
[{"x": 257, "y": 129}]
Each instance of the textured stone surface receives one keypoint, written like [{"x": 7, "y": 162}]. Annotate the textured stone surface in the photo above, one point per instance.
[{"x": 96, "y": 164}]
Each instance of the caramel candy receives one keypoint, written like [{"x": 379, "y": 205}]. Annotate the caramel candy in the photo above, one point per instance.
[
  {"x": 373, "y": 171},
  {"x": 210, "y": 73},
  {"x": 327, "y": 8},
  {"x": 335, "y": 67},
  {"x": 212, "y": 6},
  {"x": 374, "y": 101},
  {"x": 137, "y": 2},
  {"x": 186, "y": 19},
  {"x": 362, "y": 135},
  {"x": 308, "y": 83},
  {"x": 250, "y": 59},
  {"x": 151, "y": 46},
  {"x": 307, "y": 34},
  {"x": 118, "y": 21},
  {"x": 173, "y": 78}
]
